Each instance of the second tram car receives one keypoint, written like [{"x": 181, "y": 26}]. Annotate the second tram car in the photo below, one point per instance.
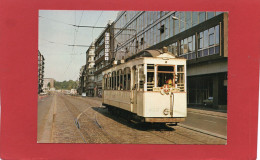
[{"x": 150, "y": 88}]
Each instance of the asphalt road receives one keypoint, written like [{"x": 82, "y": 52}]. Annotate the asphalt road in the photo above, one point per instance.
[{"x": 213, "y": 124}]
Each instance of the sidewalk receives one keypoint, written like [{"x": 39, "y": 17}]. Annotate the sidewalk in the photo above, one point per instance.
[
  {"x": 206, "y": 120},
  {"x": 208, "y": 111},
  {"x": 95, "y": 98}
]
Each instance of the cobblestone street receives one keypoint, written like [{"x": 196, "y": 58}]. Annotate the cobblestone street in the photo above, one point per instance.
[{"x": 71, "y": 119}]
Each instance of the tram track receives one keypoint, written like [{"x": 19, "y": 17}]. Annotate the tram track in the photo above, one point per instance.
[
  {"x": 102, "y": 131},
  {"x": 108, "y": 129},
  {"x": 73, "y": 118},
  {"x": 123, "y": 121}
]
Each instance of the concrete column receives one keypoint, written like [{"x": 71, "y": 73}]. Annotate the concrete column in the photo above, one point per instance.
[{"x": 215, "y": 90}]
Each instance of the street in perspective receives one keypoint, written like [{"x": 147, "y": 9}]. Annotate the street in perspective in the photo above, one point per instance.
[{"x": 132, "y": 77}]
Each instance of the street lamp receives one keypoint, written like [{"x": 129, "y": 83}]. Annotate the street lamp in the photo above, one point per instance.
[{"x": 176, "y": 18}]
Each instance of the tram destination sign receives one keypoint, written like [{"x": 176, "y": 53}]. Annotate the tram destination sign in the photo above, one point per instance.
[{"x": 107, "y": 46}]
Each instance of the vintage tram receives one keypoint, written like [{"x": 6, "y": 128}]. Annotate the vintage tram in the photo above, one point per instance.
[{"x": 149, "y": 88}]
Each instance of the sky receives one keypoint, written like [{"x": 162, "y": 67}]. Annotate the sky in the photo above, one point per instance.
[{"x": 63, "y": 62}]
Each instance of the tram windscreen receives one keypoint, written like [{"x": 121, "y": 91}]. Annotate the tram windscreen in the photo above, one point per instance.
[{"x": 165, "y": 75}]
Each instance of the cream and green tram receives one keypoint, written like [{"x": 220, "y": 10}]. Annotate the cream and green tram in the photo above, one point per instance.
[{"x": 150, "y": 88}]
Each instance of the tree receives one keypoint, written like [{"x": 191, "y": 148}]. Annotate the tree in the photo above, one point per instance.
[{"x": 65, "y": 85}]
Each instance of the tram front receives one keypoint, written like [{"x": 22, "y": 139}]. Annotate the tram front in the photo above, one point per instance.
[{"x": 164, "y": 96}]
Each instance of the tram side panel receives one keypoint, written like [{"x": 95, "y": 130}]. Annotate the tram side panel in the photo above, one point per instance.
[
  {"x": 140, "y": 104},
  {"x": 118, "y": 99}
]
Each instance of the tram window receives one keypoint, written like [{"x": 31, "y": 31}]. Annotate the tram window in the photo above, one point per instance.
[
  {"x": 124, "y": 81},
  {"x": 108, "y": 80},
  {"x": 120, "y": 80},
  {"x": 127, "y": 78},
  {"x": 107, "y": 85},
  {"x": 114, "y": 80},
  {"x": 165, "y": 75},
  {"x": 180, "y": 77},
  {"x": 141, "y": 77},
  {"x": 117, "y": 81},
  {"x": 150, "y": 77},
  {"x": 128, "y": 81},
  {"x": 135, "y": 80},
  {"x": 105, "y": 82}
]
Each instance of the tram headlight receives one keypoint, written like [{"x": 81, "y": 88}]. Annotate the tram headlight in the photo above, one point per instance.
[{"x": 166, "y": 111}]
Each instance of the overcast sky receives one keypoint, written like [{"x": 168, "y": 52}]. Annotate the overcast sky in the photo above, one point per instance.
[{"x": 63, "y": 62}]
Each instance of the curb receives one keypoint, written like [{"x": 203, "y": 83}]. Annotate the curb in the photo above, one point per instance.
[{"x": 203, "y": 131}]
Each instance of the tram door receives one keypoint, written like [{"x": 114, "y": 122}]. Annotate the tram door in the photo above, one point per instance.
[{"x": 134, "y": 89}]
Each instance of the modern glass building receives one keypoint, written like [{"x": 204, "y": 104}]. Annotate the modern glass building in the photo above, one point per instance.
[{"x": 200, "y": 37}]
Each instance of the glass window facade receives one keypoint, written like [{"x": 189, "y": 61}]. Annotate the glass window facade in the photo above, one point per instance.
[
  {"x": 202, "y": 17},
  {"x": 137, "y": 30},
  {"x": 210, "y": 40}
]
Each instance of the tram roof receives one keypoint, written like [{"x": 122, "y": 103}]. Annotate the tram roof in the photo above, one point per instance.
[
  {"x": 153, "y": 53},
  {"x": 147, "y": 53}
]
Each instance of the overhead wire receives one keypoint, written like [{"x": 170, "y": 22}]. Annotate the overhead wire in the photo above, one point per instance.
[
  {"x": 70, "y": 45},
  {"x": 96, "y": 24},
  {"x": 73, "y": 25},
  {"x": 75, "y": 36}
]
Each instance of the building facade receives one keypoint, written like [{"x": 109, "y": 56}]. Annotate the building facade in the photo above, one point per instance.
[
  {"x": 40, "y": 72},
  {"x": 48, "y": 84},
  {"x": 90, "y": 69},
  {"x": 200, "y": 37},
  {"x": 104, "y": 56},
  {"x": 82, "y": 80}
]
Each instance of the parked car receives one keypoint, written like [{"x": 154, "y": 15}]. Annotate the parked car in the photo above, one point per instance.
[{"x": 208, "y": 101}]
